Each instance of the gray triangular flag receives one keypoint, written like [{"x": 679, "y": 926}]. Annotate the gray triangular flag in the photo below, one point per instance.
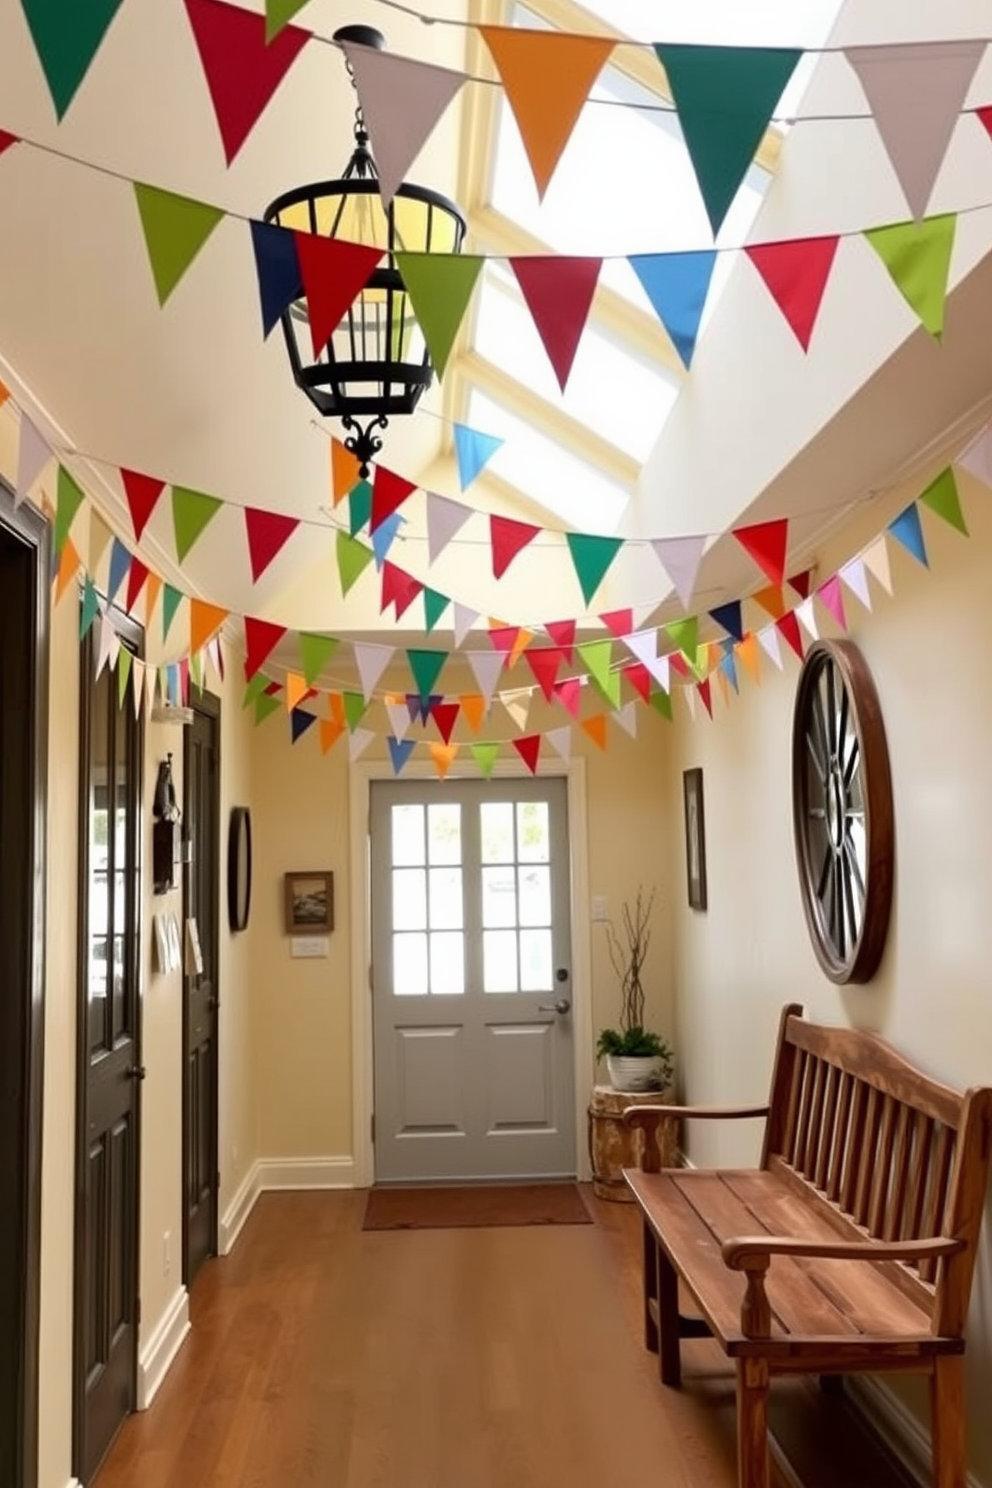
[
  {"x": 402, "y": 101},
  {"x": 916, "y": 91},
  {"x": 626, "y": 717},
  {"x": 444, "y": 518},
  {"x": 464, "y": 619},
  {"x": 853, "y": 574},
  {"x": 680, "y": 557},
  {"x": 399, "y": 719},
  {"x": 768, "y": 641},
  {"x": 977, "y": 458},
  {"x": 33, "y": 455},
  {"x": 486, "y": 665},
  {"x": 560, "y": 740},
  {"x": 108, "y": 644},
  {"x": 371, "y": 661},
  {"x": 358, "y": 742}
]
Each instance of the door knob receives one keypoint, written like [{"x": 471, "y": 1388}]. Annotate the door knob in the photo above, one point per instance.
[
  {"x": 561, "y": 1006},
  {"x": 135, "y": 1072}
]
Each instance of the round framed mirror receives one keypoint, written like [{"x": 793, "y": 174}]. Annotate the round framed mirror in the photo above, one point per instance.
[{"x": 239, "y": 868}]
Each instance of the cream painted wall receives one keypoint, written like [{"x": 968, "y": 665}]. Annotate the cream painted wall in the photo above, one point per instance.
[{"x": 737, "y": 964}]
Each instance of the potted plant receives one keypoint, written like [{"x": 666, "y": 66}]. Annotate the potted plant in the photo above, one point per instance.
[{"x": 636, "y": 1058}]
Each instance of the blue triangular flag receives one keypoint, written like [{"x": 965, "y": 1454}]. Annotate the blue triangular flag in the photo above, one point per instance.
[
  {"x": 300, "y": 720},
  {"x": 677, "y": 284},
  {"x": 278, "y": 268},
  {"x": 400, "y": 751},
  {"x": 120, "y": 564},
  {"x": 729, "y": 616},
  {"x": 907, "y": 529},
  {"x": 172, "y": 683},
  {"x": 474, "y": 451},
  {"x": 90, "y": 607},
  {"x": 384, "y": 536},
  {"x": 729, "y": 669}
]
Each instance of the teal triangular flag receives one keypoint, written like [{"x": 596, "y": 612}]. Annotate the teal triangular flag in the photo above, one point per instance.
[
  {"x": 90, "y": 607},
  {"x": 434, "y": 607},
  {"x": 474, "y": 450},
  {"x": 592, "y": 556},
  {"x": 426, "y": 668},
  {"x": 725, "y": 97},
  {"x": 171, "y": 600},
  {"x": 399, "y": 752},
  {"x": 66, "y": 38},
  {"x": 677, "y": 285},
  {"x": 359, "y": 507},
  {"x": 907, "y": 529}
]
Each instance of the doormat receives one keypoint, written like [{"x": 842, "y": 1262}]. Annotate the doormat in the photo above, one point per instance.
[{"x": 469, "y": 1206}]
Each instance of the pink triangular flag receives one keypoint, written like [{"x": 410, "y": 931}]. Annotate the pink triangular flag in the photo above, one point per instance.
[
  {"x": 560, "y": 740},
  {"x": 486, "y": 667},
  {"x": 444, "y": 518},
  {"x": 769, "y": 643},
  {"x": 876, "y": 560},
  {"x": 463, "y": 620},
  {"x": 977, "y": 457},
  {"x": 559, "y": 293},
  {"x": 371, "y": 661},
  {"x": 562, "y": 632},
  {"x": 854, "y": 576},
  {"x": 569, "y": 694},
  {"x": 619, "y": 623},
  {"x": 680, "y": 557},
  {"x": 401, "y": 100},
  {"x": 833, "y": 600},
  {"x": 33, "y": 454},
  {"x": 916, "y": 91}
]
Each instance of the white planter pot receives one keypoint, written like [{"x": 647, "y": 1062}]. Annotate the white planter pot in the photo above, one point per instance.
[{"x": 636, "y": 1072}]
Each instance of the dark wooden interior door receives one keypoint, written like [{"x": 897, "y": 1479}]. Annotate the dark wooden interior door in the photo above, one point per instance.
[
  {"x": 201, "y": 820},
  {"x": 23, "y": 687},
  {"x": 106, "y": 1322}
]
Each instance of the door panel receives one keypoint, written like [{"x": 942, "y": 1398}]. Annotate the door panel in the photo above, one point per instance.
[{"x": 474, "y": 1069}]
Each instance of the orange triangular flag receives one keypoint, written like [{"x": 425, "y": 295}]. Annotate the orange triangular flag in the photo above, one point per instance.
[
  {"x": 296, "y": 690},
  {"x": 520, "y": 644},
  {"x": 153, "y": 588},
  {"x": 443, "y": 755},
  {"x": 473, "y": 705},
  {"x": 330, "y": 732},
  {"x": 204, "y": 622},
  {"x": 749, "y": 655},
  {"x": 771, "y": 601},
  {"x": 345, "y": 471},
  {"x": 547, "y": 76},
  {"x": 595, "y": 727},
  {"x": 69, "y": 565}
]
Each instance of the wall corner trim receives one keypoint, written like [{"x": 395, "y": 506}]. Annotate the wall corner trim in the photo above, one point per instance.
[
  {"x": 162, "y": 1347},
  {"x": 280, "y": 1174},
  {"x": 907, "y": 1437},
  {"x": 234, "y": 1216}
]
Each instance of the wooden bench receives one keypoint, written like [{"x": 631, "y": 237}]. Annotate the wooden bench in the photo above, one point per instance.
[{"x": 851, "y": 1248}]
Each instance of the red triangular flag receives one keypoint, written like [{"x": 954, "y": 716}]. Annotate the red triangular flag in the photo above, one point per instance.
[
  {"x": 242, "y": 67},
  {"x": 802, "y": 583},
  {"x": 334, "y": 274},
  {"x": 261, "y": 638},
  {"x": 562, "y": 632},
  {"x": 559, "y": 293},
  {"x": 267, "y": 532},
  {"x": 788, "y": 626},
  {"x": 639, "y": 678},
  {"x": 137, "y": 575},
  {"x": 6, "y": 140},
  {"x": 569, "y": 694},
  {"x": 445, "y": 715},
  {"x": 796, "y": 274},
  {"x": 766, "y": 543},
  {"x": 389, "y": 491},
  {"x": 619, "y": 623},
  {"x": 142, "y": 492},
  {"x": 398, "y": 588},
  {"x": 984, "y": 116},
  {"x": 678, "y": 663},
  {"x": 544, "y": 662},
  {"x": 529, "y": 750},
  {"x": 508, "y": 538},
  {"x": 705, "y": 692}
]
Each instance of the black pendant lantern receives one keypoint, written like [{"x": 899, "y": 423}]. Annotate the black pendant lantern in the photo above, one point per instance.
[{"x": 376, "y": 363}]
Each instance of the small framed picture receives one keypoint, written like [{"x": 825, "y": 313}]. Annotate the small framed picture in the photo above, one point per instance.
[
  {"x": 695, "y": 837},
  {"x": 309, "y": 903}
]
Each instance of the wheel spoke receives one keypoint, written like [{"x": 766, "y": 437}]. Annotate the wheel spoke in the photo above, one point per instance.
[
  {"x": 825, "y": 869},
  {"x": 819, "y": 765},
  {"x": 852, "y": 763},
  {"x": 852, "y": 917},
  {"x": 852, "y": 858},
  {"x": 816, "y": 709},
  {"x": 831, "y": 708},
  {"x": 839, "y": 940}
]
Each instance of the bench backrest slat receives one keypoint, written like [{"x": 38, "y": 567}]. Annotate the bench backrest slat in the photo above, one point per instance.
[{"x": 840, "y": 1136}]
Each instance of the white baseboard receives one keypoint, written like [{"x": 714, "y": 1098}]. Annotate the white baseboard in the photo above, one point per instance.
[
  {"x": 897, "y": 1426},
  {"x": 280, "y": 1174},
  {"x": 233, "y": 1219},
  {"x": 163, "y": 1346}
]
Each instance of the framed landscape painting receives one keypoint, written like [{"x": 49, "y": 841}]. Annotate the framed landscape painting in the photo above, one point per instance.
[
  {"x": 309, "y": 903},
  {"x": 695, "y": 838}
]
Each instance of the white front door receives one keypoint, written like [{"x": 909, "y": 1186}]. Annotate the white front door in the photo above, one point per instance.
[{"x": 471, "y": 978}]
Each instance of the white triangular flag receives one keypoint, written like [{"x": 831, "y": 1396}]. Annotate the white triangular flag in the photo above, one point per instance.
[
  {"x": 977, "y": 457},
  {"x": 916, "y": 91},
  {"x": 807, "y": 619},
  {"x": 560, "y": 740},
  {"x": 464, "y": 619},
  {"x": 644, "y": 645},
  {"x": 108, "y": 644},
  {"x": 401, "y": 101},
  {"x": 876, "y": 560},
  {"x": 151, "y": 678},
  {"x": 689, "y": 693},
  {"x": 358, "y": 742},
  {"x": 371, "y": 661},
  {"x": 137, "y": 684},
  {"x": 444, "y": 518},
  {"x": 517, "y": 704},
  {"x": 399, "y": 719},
  {"x": 853, "y": 575},
  {"x": 680, "y": 557},
  {"x": 33, "y": 455},
  {"x": 626, "y": 717},
  {"x": 486, "y": 666},
  {"x": 769, "y": 643}
]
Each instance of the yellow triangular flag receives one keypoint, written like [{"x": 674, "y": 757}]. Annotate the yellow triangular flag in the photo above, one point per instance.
[
  {"x": 296, "y": 690},
  {"x": 330, "y": 733},
  {"x": 204, "y": 622},
  {"x": 473, "y": 706},
  {"x": 596, "y": 729},
  {"x": 69, "y": 565},
  {"x": 345, "y": 473},
  {"x": 749, "y": 654},
  {"x": 442, "y": 755},
  {"x": 547, "y": 76}
]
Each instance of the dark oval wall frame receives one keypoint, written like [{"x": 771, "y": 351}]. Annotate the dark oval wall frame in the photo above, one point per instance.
[{"x": 239, "y": 868}]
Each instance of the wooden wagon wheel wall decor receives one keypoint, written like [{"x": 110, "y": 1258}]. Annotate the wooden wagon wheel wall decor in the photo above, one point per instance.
[{"x": 842, "y": 811}]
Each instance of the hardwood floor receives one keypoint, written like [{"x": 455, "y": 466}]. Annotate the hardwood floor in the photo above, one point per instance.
[{"x": 475, "y": 1358}]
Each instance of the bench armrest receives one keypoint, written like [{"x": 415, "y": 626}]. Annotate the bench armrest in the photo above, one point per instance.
[{"x": 647, "y": 1118}]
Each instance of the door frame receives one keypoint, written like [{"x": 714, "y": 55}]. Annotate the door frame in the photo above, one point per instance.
[
  {"x": 28, "y": 527},
  {"x": 362, "y": 774}
]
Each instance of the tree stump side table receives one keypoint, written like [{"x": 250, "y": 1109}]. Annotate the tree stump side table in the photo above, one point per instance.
[{"x": 613, "y": 1146}]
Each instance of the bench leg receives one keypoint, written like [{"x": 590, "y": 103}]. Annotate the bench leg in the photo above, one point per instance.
[
  {"x": 947, "y": 1422},
  {"x": 650, "y": 1277},
  {"x": 670, "y": 1352},
  {"x": 753, "y": 1469}
]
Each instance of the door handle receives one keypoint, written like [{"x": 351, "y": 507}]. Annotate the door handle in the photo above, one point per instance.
[
  {"x": 135, "y": 1072},
  {"x": 562, "y": 1006}
]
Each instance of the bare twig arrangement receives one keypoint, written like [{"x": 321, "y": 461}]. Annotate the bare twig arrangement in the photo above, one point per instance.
[{"x": 627, "y": 957}]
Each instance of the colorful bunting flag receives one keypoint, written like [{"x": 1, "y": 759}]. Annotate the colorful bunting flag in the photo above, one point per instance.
[
  {"x": 175, "y": 229},
  {"x": 569, "y": 694},
  {"x": 278, "y": 13},
  {"x": 906, "y": 529},
  {"x": 399, "y": 717},
  {"x": 485, "y": 757},
  {"x": 854, "y": 575},
  {"x": 33, "y": 454},
  {"x": 677, "y": 285},
  {"x": 771, "y": 600},
  {"x": 473, "y": 451},
  {"x": 680, "y": 557},
  {"x": 832, "y": 599},
  {"x": 443, "y": 756},
  {"x": 768, "y": 641},
  {"x": 389, "y": 491},
  {"x": 627, "y": 719},
  {"x": 767, "y": 544},
  {"x": 725, "y": 97},
  {"x": 331, "y": 730},
  {"x": 334, "y": 274},
  {"x": 684, "y": 634},
  {"x": 171, "y": 600},
  {"x": 728, "y": 616},
  {"x": 802, "y": 582},
  {"x": 474, "y": 707},
  {"x": 547, "y": 76},
  {"x": 918, "y": 258},
  {"x": 876, "y": 560},
  {"x": 300, "y": 720},
  {"x": 464, "y": 619},
  {"x": 706, "y": 693},
  {"x": 353, "y": 559},
  {"x": 788, "y": 627},
  {"x": 562, "y": 632},
  {"x": 400, "y": 751},
  {"x": 619, "y": 623},
  {"x": 315, "y": 652},
  {"x": 384, "y": 536},
  {"x": 444, "y": 519},
  {"x": 89, "y": 608},
  {"x": 486, "y": 667},
  {"x": 426, "y": 667},
  {"x": 358, "y": 742},
  {"x": 806, "y": 616},
  {"x": 544, "y": 662},
  {"x": 941, "y": 496},
  {"x": 661, "y": 702},
  {"x": 142, "y": 493},
  {"x": 639, "y": 678},
  {"x": 6, "y": 140},
  {"x": 508, "y": 538},
  {"x": 268, "y": 532},
  {"x": 277, "y": 265},
  {"x": 68, "y": 567},
  {"x": 68, "y": 500},
  {"x": 796, "y": 274},
  {"x": 591, "y": 557},
  {"x": 398, "y": 588},
  {"x": 360, "y": 508},
  {"x": 117, "y": 572},
  {"x": 595, "y": 727},
  {"x": 261, "y": 639},
  {"x": 529, "y": 750},
  {"x": 265, "y": 706},
  {"x": 345, "y": 471},
  {"x": 355, "y": 709},
  {"x": 135, "y": 583},
  {"x": 371, "y": 661},
  {"x": 749, "y": 656},
  {"x": 296, "y": 691},
  {"x": 445, "y": 715},
  {"x": 559, "y": 293},
  {"x": 67, "y": 39},
  {"x": 440, "y": 286},
  {"x": 560, "y": 740},
  {"x": 192, "y": 511}
]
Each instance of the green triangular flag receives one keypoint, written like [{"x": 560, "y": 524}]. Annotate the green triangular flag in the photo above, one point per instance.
[
  {"x": 353, "y": 559},
  {"x": 191, "y": 513},
  {"x": 359, "y": 507},
  {"x": 68, "y": 500},
  {"x": 918, "y": 257},
  {"x": 355, "y": 708},
  {"x": 279, "y": 13},
  {"x": 257, "y": 685},
  {"x": 66, "y": 38},
  {"x": 196, "y": 670},
  {"x": 485, "y": 757},
  {"x": 440, "y": 286},
  {"x": 598, "y": 658},
  {"x": 175, "y": 228},
  {"x": 123, "y": 672},
  {"x": 434, "y": 607},
  {"x": 725, "y": 97},
  {"x": 90, "y": 607},
  {"x": 661, "y": 702},
  {"x": 609, "y": 686},
  {"x": 265, "y": 705},
  {"x": 315, "y": 652},
  {"x": 685, "y": 634},
  {"x": 426, "y": 668},
  {"x": 592, "y": 556},
  {"x": 941, "y": 496},
  {"x": 171, "y": 600}
]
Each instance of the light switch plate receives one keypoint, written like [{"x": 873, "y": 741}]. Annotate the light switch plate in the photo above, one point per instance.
[
  {"x": 599, "y": 911},
  {"x": 309, "y": 947}
]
